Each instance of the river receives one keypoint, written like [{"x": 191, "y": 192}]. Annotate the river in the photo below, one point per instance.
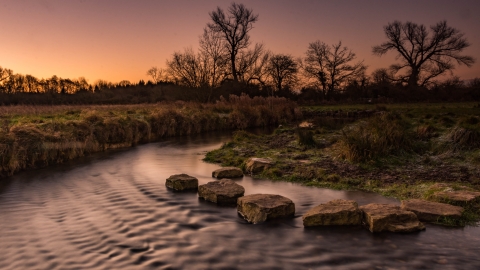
[{"x": 113, "y": 211}]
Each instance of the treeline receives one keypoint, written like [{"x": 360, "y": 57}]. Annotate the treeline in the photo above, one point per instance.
[
  {"x": 228, "y": 62},
  {"x": 363, "y": 91}
]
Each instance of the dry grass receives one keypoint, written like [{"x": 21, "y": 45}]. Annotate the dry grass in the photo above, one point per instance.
[
  {"x": 35, "y": 136},
  {"x": 376, "y": 137}
]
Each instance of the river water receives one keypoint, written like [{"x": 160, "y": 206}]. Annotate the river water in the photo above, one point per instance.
[{"x": 113, "y": 211}]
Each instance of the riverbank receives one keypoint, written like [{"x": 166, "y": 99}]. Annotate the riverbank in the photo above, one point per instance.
[
  {"x": 402, "y": 151},
  {"x": 37, "y": 136}
]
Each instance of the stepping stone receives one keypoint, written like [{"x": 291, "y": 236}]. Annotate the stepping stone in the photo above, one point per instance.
[
  {"x": 388, "y": 217},
  {"x": 224, "y": 192},
  {"x": 336, "y": 212},
  {"x": 256, "y": 165},
  {"x": 182, "y": 182},
  {"x": 258, "y": 208},
  {"x": 461, "y": 197},
  {"x": 227, "y": 172},
  {"x": 432, "y": 211}
]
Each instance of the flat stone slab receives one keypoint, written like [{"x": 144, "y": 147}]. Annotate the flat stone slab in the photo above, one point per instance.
[
  {"x": 258, "y": 208},
  {"x": 432, "y": 211},
  {"x": 224, "y": 192},
  {"x": 461, "y": 197},
  {"x": 182, "y": 182},
  {"x": 256, "y": 165},
  {"x": 228, "y": 172},
  {"x": 388, "y": 217},
  {"x": 336, "y": 212}
]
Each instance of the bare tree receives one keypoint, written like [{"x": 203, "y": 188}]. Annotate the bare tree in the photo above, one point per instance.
[
  {"x": 214, "y": 55},
  {"x": 157, "y": 74},
  {"x": 5, "y": 75},
  {"x": 252, "y": 65},
  {"x": 187, "y": 69},
  {"x": 282, "y": 69},
  {"x": 425, "y": 54},
  {"x": 234, "y": 28},
  {"x": 383, "y": 76},
  {"x": 331, "y": 66}
]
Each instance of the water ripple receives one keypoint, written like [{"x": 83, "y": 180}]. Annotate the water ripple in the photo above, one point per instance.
[{"x": 116, "y": 213}]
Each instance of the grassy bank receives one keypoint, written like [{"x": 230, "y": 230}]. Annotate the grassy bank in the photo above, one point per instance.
[
  {"x": 402, "y": 151},
  {"x": 36, "y": 136}
]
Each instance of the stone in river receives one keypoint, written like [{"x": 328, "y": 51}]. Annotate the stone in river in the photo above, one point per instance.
[
  {"x": 224, "y": 191},
  {"x": 460, "y": 197},
  {"x": 227, "y": 172},
  {"x": 432, "y": 211},
  {"x": 256, "y": 165},
  {"x": 182, "y": 182},
  {"x": 387, "y": 217},
  {"x": 336, "y": 212},
  {"x": 258, "y": 208}
]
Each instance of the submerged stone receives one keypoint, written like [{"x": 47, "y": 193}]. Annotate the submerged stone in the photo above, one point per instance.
[
  {"x": 336, "y": 212},
  {"x": 227, "y": 172},
  {"x": 224, "y": 191},
  {"x": 182, "y": 182},
  {"x": 387, "y": 217},
  {"x": 432, "y": 211},
  {"x": 258, "y": 208},
  {"x": 256, "y": 165}
]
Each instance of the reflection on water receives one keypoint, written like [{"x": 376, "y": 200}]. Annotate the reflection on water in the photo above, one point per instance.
[{"x": 114, "y": 212}]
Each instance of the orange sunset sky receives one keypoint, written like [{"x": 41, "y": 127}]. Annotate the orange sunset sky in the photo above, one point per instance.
[{"x": 118, "y": 40}]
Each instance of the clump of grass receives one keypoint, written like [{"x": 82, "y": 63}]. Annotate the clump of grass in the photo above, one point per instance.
[
  {"x": 447, "y": 121},
  {"x": 377, "y": 137},
  {"x": 272, "y": 173},
  {"x": 333, "y": 178},
  {"x": 464, "y": 138},
  {"x": 426, "y": 132},
  {"x": 305, "y": 137},
  {"x": 465, "y": 135}
]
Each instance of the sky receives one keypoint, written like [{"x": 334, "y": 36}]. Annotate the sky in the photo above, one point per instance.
[{"x": 116, "y": 40}]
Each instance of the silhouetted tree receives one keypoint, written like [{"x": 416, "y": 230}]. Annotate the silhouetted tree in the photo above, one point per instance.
[
  {"x": 282, "y": 69},
  {"x": 186, "y": 69},
  {"x": 252, "y": 65},
  {"x": 425, "y": 54},
  {"x": 124, "y": 83},
  {"x": 474, "y": 83},
  {"x": 157, "y": 74},
  {"x": 382, "y": 76},
  {"x": 331, "y": 66},
  {"x": 234, "y": 28},
  {"x": 214, "y": 56}
]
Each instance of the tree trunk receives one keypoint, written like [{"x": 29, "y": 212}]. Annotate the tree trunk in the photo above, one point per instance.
[
  {"x": 413, "y": 79},
  {"x": 234, "y": 70}
]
